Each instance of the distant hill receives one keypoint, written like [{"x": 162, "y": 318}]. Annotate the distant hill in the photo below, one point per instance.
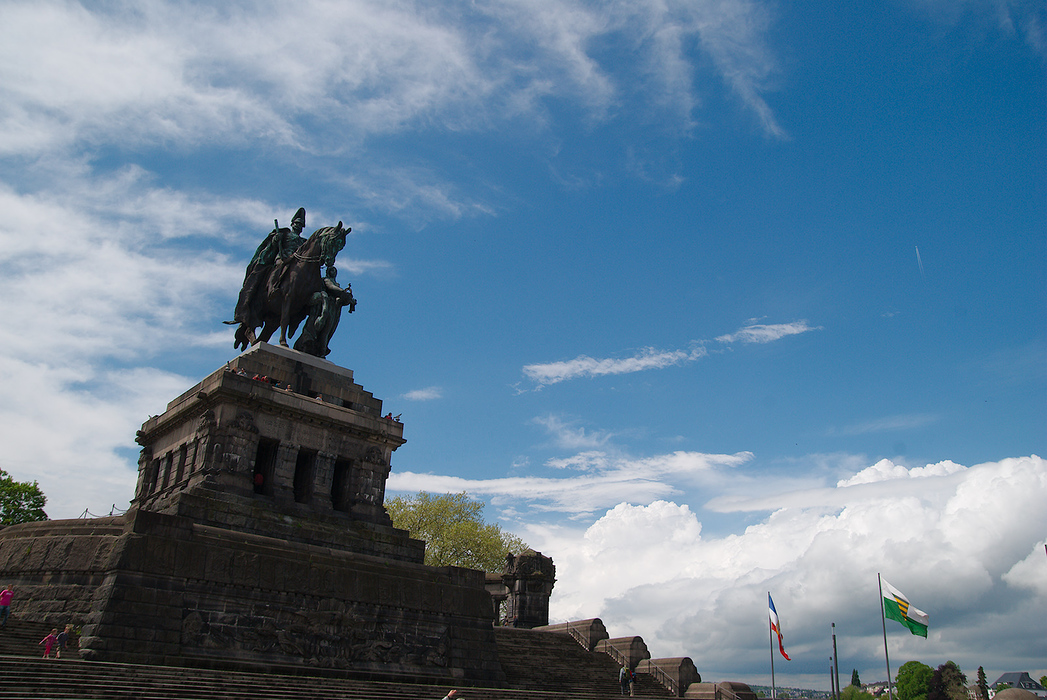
[{"x": 764, "y": 691}]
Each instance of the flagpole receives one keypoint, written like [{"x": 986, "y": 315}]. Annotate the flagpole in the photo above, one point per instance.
[
  {"x": 770, "y": 643},
  {"x": 836, "y": 662},
  {"x": 883, "y": 623}
]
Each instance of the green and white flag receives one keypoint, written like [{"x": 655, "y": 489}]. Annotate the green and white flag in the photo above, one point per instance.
[{"x": 896, "y": 607}]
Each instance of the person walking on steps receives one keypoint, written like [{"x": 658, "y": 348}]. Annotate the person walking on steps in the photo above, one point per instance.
[
  {"x": 48, "y": 642},
  {"x": 623, "y": 679},
  {"x": 5, "y": 605},
  {"x": 62, "y": 639}
]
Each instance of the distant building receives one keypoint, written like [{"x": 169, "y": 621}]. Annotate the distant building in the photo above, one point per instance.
[{"x": 1021, "y": 680}]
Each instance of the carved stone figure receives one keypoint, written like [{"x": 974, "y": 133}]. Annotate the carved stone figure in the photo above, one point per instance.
[
  {"x": 325, "y": 310},
  {"x": 281, "y": 284}
]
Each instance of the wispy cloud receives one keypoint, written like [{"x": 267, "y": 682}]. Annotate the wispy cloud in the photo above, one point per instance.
[
  {"x": 599, "y": 480},
  {"x": 585, "y": 366},
  {"x": 766, "y": 333},
  {"x": 887, "y": 424},
  {"x": 650, "y": 358},
  {"x": 430, "y": 393},
  {"x": 157, "y": 74},
  {"x": 570, "y": 437}
]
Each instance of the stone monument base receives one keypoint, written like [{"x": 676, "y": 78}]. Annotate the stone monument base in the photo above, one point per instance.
[
  {"x": 159, "y": 589},
  {"x": 258, "y": 538}
]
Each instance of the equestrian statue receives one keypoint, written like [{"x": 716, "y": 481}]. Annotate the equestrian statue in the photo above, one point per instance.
[{"x": 283, "y": 287}]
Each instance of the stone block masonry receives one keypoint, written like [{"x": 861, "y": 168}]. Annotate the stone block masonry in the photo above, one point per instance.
[{"x": 258, "y": 538}]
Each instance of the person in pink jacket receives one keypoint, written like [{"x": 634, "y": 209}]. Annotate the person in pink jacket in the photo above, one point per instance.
[
  {"x": 48, "y": 642},
  {"x": 5, "y": 605}
]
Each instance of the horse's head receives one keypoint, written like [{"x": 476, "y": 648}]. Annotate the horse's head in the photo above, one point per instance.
[{"x": 332, "y": 240}]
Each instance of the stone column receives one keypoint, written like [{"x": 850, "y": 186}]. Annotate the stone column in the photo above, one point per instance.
[
  {"x": 323, "y": 476},
  {"x": 283, "y": 472}
]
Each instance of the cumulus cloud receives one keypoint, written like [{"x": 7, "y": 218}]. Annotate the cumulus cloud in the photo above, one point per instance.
[
  {"x": 886, "y": 470},
  {"x": 954, "y": 540}
]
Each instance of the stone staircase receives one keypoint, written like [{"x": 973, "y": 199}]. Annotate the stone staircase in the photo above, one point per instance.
[
  {"x": 32, "y": 679},
  {"x": 553, "y": 661},
  {"x": 539, "y": 666},
  {"x": 22, "y": 638}
]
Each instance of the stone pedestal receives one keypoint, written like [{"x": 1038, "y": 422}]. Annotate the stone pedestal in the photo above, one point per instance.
[
  {"x": 528, "y": 581},
  {"x": 258, "y": 538}
]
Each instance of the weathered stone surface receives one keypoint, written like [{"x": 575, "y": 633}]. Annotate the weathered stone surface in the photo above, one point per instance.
[
  {"x": 677, "y": 673},
  {"x": 588, "y": 632},
  {"x": 299, "y": 567},
  {"x": 630, "y": 650},
  {"x": 528, "y": 580}
]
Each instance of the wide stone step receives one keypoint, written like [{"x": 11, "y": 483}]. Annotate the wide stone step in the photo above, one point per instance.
[
  {"x": 22, "y": 638},
  {"x": 32, "y": 678}
]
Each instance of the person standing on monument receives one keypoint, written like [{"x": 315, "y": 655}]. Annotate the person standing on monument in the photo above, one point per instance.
[
  {"x": 624, "y": 677},
  {"x": 5, "y": 605}
]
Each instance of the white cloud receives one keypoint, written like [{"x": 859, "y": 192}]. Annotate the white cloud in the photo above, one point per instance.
[
  {"x": 571, "y": 438},
  {"x": 62, "y": 428},
  {"x": 764, "y": 333},
  {"x": 886, "y": 470},
  {"x": 1028, "y": 573},
  {"x": 584, "y": 366},
  {"x": 650, "y": 358},
  {"x": 605, "y": 480},
  {"x": 952, "y": 543},
  {"x": 161, "y": 74},
  {"x": 429, "y": 393},
  {"x": 956, "y": 539}
]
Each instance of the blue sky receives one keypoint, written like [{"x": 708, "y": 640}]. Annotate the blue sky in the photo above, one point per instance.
[{"x": 704, "y": 299}]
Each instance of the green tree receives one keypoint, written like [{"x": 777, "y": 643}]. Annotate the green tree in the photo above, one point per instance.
[
  {"x": 913, "y": 681},
  {"x": 1043, "y": 681},
  {"x": 454, "y": 530},
  {"x": 983, "y": 685},
  {"x": 955, "y": 681},
  {"x": 854, "y": 692},
  {"x": 20, "y": 501},
  {"x": 948, "y": 683},
  {"x": 855, "y": 680}
]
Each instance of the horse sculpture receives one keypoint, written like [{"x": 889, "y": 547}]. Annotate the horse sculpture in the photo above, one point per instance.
[{"x": 281, "y": 297}]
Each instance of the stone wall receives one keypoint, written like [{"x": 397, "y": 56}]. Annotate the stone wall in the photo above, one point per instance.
[
  {"x": 55, "y": 567},
  {"x": 178, "y": 592}
]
